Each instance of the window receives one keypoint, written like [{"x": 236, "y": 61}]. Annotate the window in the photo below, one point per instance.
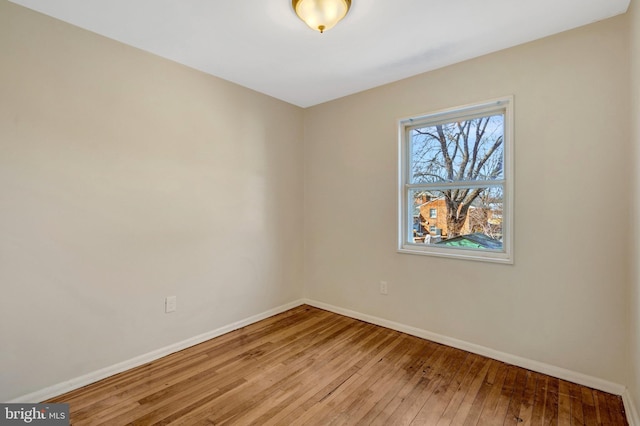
[{"x": 459, "y": 162}]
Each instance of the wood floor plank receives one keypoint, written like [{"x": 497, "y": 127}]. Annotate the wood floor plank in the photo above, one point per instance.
[
  {"x": 319, "y": 396},
  {"x": 415, "y": 359},
  {"x": 602, "y": 407},
  {"x": 418, "y": 380},
  {"x": 250, "y": 393},
  {"x": 436, "y": 405},
  {"x": 525, "y": 414},
  {"x": 577, "y": 412},
  {"x": 352, "y": 389},
  {"x": 506, "y": 394},
  {"x": 223, "y": 373},
  {"x": 551, "y": 402},
  {"x": 518, "y": 394},
  {"x": 564, "y": 403},
  {"x": 371, "y": 387},
  {"x": 471, "y": 389},
  {"x": 432, "y": 381},
  {"x": 591, "y": 415},
  {"x": 477, "y": 405},
  {"x": 616, "y": 411},
  {"x": 491, "y": 403},
  {"x": 329, "y": 406},
  {"x": 540, "y": 401},
  {"x": 308, "y": 366}
]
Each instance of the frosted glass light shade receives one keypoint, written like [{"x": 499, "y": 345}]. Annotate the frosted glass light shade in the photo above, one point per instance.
[{"x": 321, "y": 15}]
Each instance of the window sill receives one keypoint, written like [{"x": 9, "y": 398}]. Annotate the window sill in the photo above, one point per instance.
[{"x": 490, "y": 257}]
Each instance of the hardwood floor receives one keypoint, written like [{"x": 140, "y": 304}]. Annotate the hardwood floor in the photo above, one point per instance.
[{"x": 312, "y": 367}]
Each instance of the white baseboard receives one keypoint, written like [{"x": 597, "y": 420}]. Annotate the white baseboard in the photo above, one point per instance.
[
  {"x": 572, "y": 376},
  {"x": 103, "y": 373},
  {"x": 630, "y": 409},
  {"x": 540, "y": 367}
]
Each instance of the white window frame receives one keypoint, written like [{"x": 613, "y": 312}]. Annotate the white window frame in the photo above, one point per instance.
[{"x": 405, "y": 226}]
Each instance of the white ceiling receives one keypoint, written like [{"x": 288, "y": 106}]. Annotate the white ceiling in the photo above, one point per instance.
[{"x": 261, "y": 44}]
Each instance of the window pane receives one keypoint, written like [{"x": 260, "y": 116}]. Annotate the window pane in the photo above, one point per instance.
[
  {"x": 465, "y": 218},
  {"x": 466, "y": 150}
]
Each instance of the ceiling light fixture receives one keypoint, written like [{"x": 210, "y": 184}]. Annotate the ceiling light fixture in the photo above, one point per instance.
[{"x": 321, "y": 15}]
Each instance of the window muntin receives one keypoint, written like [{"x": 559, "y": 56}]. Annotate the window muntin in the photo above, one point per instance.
[{"x": 458, "y": 164}]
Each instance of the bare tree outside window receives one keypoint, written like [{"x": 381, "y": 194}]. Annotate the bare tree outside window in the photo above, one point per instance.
[
  {"x": 455, "y": 183},
  {"x": 468, "y": 150}
]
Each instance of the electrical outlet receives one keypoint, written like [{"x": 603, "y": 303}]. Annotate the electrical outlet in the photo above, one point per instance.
[
  {"x": 170, "y": 304},
  {"x": 383, "y": 287}
]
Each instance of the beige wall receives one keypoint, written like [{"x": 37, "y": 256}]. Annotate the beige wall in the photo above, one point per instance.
[
  {"x": 125, "y": 178},
  {"x": 564, "y": 300},
  {"x": 634, "y": 385}
]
